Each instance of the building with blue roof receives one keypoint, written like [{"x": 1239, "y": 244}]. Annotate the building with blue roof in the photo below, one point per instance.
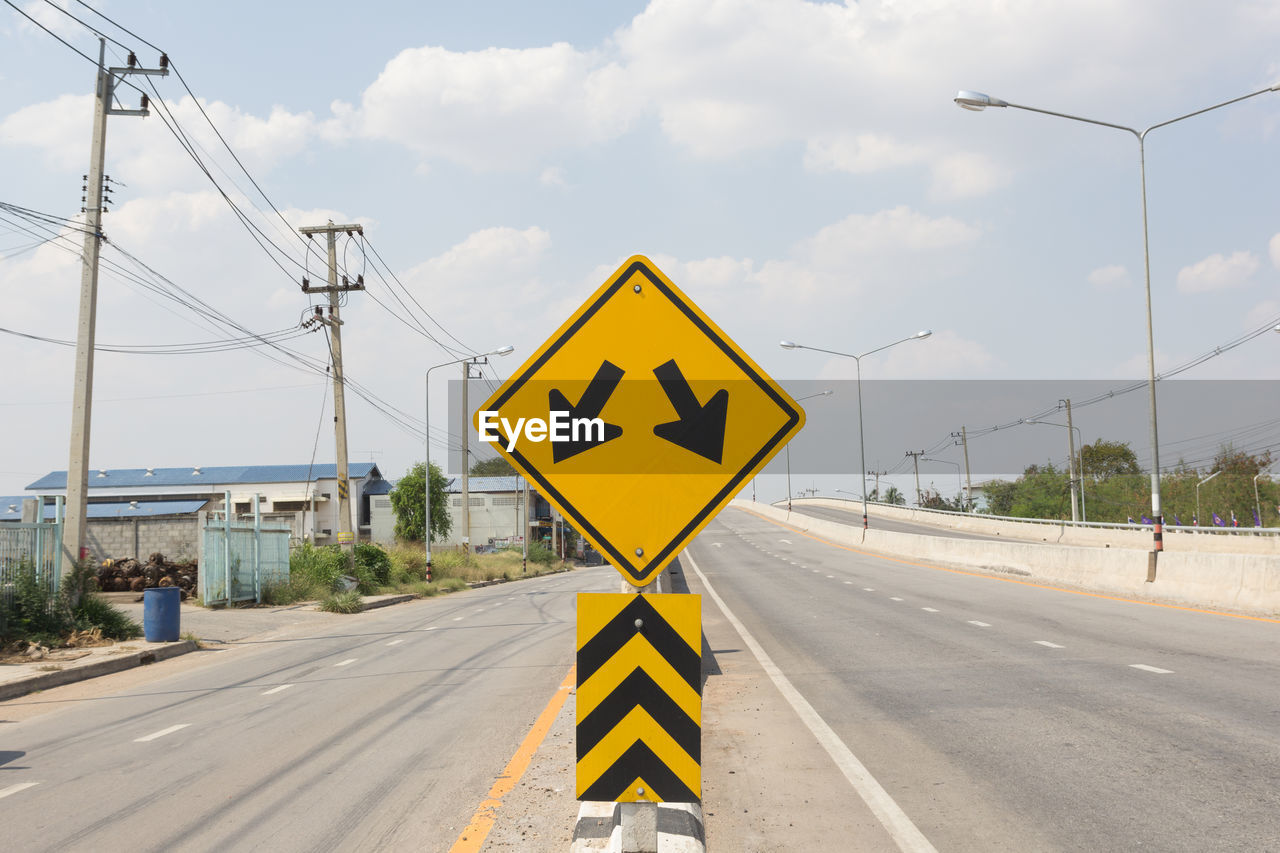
[{"x": 305, "y": 496}]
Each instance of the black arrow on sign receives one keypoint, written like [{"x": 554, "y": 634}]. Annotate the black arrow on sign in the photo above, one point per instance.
[
  {"x": 589, "y": 406},
  {"x": 701, "y": 426}
]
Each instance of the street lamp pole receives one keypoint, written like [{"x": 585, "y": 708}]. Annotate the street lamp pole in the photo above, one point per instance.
[
  {"x": 1198, "y": 485},
  {"x": 977, "y": 101},
  {"x": 798, "y": 399},
  {"x": 857, "y": 360},
  {"x": 426, "y": 465},
  {"x": 1073, "y": 469}
]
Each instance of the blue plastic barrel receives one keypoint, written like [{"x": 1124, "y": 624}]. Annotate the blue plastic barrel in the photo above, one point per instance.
[{"x": 160, "y": 614}]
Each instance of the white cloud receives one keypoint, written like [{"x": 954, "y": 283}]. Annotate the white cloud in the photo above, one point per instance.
[
  {"x": 1113, "y": 277},
  {"x": 553, "y": 176},
  {"x": 1218, "y": 272},
  {"x": 1274, "y": 247}
]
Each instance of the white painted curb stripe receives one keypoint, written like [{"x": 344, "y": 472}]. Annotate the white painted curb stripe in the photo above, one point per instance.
[
  {"x": 160, "y": 733},
  {"x": 13, "y": 789},
  {"x": 279, "y": 689},
  {"x": 891, "y": 816}
]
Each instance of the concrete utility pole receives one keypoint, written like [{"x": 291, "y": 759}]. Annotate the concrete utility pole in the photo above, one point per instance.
[
  {"x": 1074, "y": 474},
  {"x": 915, "y": 457},
  {"x": 968, "y": 483},
  {"x": 346, "y": 534},
  {"x": 73, "y": 534},
  {"x": 466, "y": 460}
]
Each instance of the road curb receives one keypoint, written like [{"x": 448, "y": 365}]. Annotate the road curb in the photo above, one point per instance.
[
  {"x": 599, "y": 828},
  {"x": 106, "y": 666},
  {"x": 388, "y": 601}
]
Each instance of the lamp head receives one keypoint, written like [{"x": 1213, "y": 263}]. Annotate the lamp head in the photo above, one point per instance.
[
  {"x": 923, "y": 333},
  {"x": 507, "y": 350},
  {"x": 976, "y": 101},
  {"x": 788, "y": 344}
]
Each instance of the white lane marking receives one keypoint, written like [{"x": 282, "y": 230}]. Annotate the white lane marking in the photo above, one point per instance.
[
  {"x": 160, "y": 733},
  {"x": 434, "y": 628},
  {"x": 457, "y": 619},
  {"x": 1155, "y": 669},
  {"x": 831, "y": 577},
  {"x": 891, "y": 816},
  {"x": 930, "y": 609},
  {"x": 1049, "y": 645},
  {"x": 346, "y": 662},
  {"x": 848, "y": 583},
  {"x": 867, "y": 589},
  {"x": 816, "y": 572},
  {"x": 13, "y": 789},
  {"x": 795, "y": 564},
  {"x": 279, "y": 689},
  {"x": 716, "y": 544},
  {"x": 894, "y": 598},
  {"x": 396, "y": 642},
  {"x": 979, "y": 624},
  {"x": 785, "y": 541}
]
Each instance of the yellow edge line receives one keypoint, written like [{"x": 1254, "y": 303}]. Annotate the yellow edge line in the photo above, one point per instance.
[
  {"x": 1006, "y": 580},
  {"x": 472, "y": 838}
]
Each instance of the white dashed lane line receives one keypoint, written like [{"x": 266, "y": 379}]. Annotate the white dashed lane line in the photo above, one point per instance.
[
  {"x": 161, "y": 733},
  {"x": 280, "y": 689},
  {"x": 930, "y": 609},
  {"x": 1157, "y": 670},
  {"x": 867, "y": 589},
  {"x": 979, "y": 624},
  {"x": 1049, "y": 645},
  {"x": 848, "y": 583},
  {"x": 396, "y": 642},
  {"x": 785, "y": 541},
  {"x": 346, "y": 662},
  {"x": 13, "y": 789},
  {"x": 457, "y": 619},
  {"x": 894, "y": 598}
]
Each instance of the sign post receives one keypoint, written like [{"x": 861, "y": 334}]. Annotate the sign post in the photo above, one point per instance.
[{"x": 639, "y": 419}]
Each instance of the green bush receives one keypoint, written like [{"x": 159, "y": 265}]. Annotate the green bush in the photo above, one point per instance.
[
  {"x": 277, "y": 593},
  {"x": 539, "y": 553},
  {"x": 373, "y": 560},
  {"x": 94, "y": 611},
  {"x": 313, "y": 571},
  {"x": 37, "y": 615},
  {"x": 343, "y": 602}
]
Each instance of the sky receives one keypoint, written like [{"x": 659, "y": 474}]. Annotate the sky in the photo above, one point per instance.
[{"x": 798, "y": 169}]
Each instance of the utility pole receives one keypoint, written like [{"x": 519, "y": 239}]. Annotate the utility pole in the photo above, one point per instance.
[
  {"x": 878, "y": 475},
  {"x": 346, "y": 535},
  {"x": 915, "y": 457},
  {"x": 1072, "y": 468},
  {"x": 73, "y": 534},
  {"x": 968, "y": 483}
]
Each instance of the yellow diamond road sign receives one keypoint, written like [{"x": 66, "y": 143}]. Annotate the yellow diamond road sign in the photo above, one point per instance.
[{"x": 660, "y": 417}]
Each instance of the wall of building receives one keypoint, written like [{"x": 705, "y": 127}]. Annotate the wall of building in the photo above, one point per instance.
[{"x": 119, "y": 538}]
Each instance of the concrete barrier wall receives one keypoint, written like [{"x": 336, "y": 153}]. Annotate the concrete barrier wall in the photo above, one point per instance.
[
  {"x": 1175, "y": 538},
  {"x": 1238, "y": 581}
]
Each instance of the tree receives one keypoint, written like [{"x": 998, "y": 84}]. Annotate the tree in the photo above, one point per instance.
[
  {"x": 1103, "y": 460},
  {"x": 408, "y": 501},
  {"x": 495, "y": 467},
  {"x": 893, "y": 496}
]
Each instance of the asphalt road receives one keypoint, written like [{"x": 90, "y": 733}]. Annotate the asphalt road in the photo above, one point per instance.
[
  {"x": 853, "y": 517},
  {"x": 384, "y": 732},
  {"x": 1000, "y": 715}
]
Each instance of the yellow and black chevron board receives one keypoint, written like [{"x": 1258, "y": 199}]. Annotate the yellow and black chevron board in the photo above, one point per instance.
[{"x": 639, "y": 698}]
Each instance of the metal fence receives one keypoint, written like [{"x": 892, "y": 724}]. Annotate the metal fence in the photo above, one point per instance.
[
  {"x": 240, "y": 557},
  {"x": 33, "y": 547}
]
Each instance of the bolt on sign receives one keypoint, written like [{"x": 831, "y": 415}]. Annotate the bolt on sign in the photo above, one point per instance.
[
  {"x": 639, "y": 699},
  {"x": 639, "y": 419}
]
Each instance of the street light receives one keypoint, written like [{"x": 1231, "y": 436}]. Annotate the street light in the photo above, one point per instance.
[
  {"x": 959, "y": 482},
  {"x": 1198, "y": 485},
  {"x": 426, "y": 465},
  {"x": 977, "y": 101},
  {"x": 857, "y": 360},
  {"x": 798, "y": 399},
  {"x": 1071, "y": 465}
]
